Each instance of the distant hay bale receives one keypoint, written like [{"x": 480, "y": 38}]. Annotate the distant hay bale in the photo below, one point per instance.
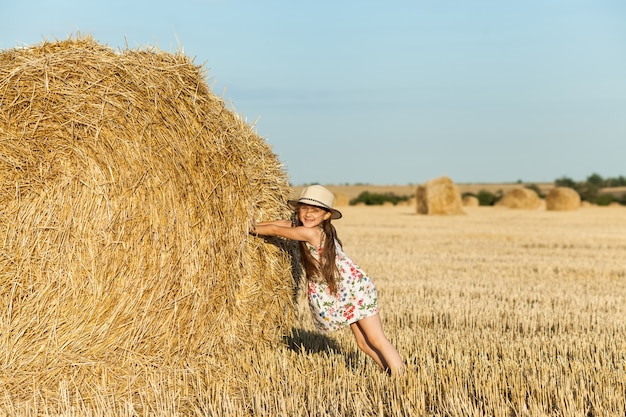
[
  {"x": 520, "y": 198},
  {"x": 341, "y": 200},
  {"x": 562, "y": 199},
  {"x": 127, "y": 191},
  {"x": 438, "y": 196},
  {"x": 471, "y": 201}
]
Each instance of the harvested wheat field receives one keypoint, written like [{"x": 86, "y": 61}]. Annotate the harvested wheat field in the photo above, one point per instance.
[{"x": 500, "y": 312}]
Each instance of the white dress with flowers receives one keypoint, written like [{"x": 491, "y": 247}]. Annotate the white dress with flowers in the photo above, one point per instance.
[{"x": 355, "y": 299}]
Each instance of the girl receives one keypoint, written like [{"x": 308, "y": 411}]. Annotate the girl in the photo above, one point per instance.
[{"x": 340, "y": 294}]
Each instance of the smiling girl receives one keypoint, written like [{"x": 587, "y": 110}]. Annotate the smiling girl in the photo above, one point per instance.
[{"x": 340, "y": 293}]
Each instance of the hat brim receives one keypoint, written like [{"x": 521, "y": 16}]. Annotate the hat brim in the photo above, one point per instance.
[{"x": 334, "y": 214}]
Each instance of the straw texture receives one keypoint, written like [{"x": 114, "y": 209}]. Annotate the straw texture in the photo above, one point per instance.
[
  {"x": 563, "y": 199},
  {"x": 127, "y": 191},
  {"x": 470, "y": 201},
  {"x": 438, "y": 196},
  {"x": 520, "y": 198}
]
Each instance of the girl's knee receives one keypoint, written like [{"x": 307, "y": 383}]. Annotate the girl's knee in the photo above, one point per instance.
[
  {"x": 377, "y": 339},
  {"x": 378, "y": 344},
  {"x": 363, "y": 345},
  {"x": 368, "y": 347}
]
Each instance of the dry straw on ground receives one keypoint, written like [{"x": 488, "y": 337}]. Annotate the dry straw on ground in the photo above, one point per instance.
[
  {"x": 438, "y": 196},
  {"x": 127, "y": 191},
  {"x": 498, "y": 313},
  {"x": 520, "y": 198},
  {"x": 562, "y": 199}
]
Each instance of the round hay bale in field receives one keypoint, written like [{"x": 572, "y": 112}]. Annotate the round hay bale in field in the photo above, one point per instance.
[
  {"x": 471, "y": 201},
  {"x": 341, "y": 200},
  {"x": 520, "y": 198},
  {"x": 127, "y": 192},
  {"x": 562, "y": 199},
  {"x": 438, "y": 196}
]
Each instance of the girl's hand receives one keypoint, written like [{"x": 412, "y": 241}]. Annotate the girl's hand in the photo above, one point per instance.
[
  {"x": 252, "y": 228},
  {"x": 263, "y": 225}
]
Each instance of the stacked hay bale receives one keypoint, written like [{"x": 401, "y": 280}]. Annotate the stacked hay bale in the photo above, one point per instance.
[
  {"x": 470, "y": 201},
  {"x": 563, "y": 199},
  {"x": 438, "y": 196},
  {"x": 520, "y": 198},
  {"x": 127, "y": 191}
]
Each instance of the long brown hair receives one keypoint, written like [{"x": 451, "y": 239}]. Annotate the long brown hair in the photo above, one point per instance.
[{"x": 326, "y": 268}]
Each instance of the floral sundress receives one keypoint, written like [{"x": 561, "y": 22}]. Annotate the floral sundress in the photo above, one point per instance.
[{"x": 356, "y": 296}]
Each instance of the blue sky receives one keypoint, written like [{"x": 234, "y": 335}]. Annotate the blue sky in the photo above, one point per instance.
[{"x": 390, "y": 92}]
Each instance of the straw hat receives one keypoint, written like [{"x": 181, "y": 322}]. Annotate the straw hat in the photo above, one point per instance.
[{"x": 316, "y": 195}]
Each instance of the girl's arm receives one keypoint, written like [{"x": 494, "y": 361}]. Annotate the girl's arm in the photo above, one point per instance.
[
  {"x": 283, "y": 223},
  {"x": 282, "y": 228}
]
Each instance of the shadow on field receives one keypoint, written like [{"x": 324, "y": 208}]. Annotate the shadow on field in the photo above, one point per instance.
[
  {"x": 310, "y": 342},
  {"x": 306, "y": 341}
]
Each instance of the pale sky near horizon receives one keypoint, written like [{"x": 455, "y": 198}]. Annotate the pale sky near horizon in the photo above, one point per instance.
[{"x": 394, "y": 92}]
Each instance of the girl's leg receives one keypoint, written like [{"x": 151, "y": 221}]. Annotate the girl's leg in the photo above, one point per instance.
[
  {"x": 362, "y": 343},
  {"x": 372, "y": 340}
]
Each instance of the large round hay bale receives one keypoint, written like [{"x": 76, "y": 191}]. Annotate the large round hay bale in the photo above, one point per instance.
[
  {"x": 127, "y": 191},
  {"x": 438, "y": 196},
  {"x": 520, "y": 198},
  {"x": 562, "y": 199}
]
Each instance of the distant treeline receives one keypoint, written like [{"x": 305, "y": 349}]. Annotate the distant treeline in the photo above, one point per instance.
[
  {"x": 378, "y": 199},
  {"x": 589, "y": 190}
]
